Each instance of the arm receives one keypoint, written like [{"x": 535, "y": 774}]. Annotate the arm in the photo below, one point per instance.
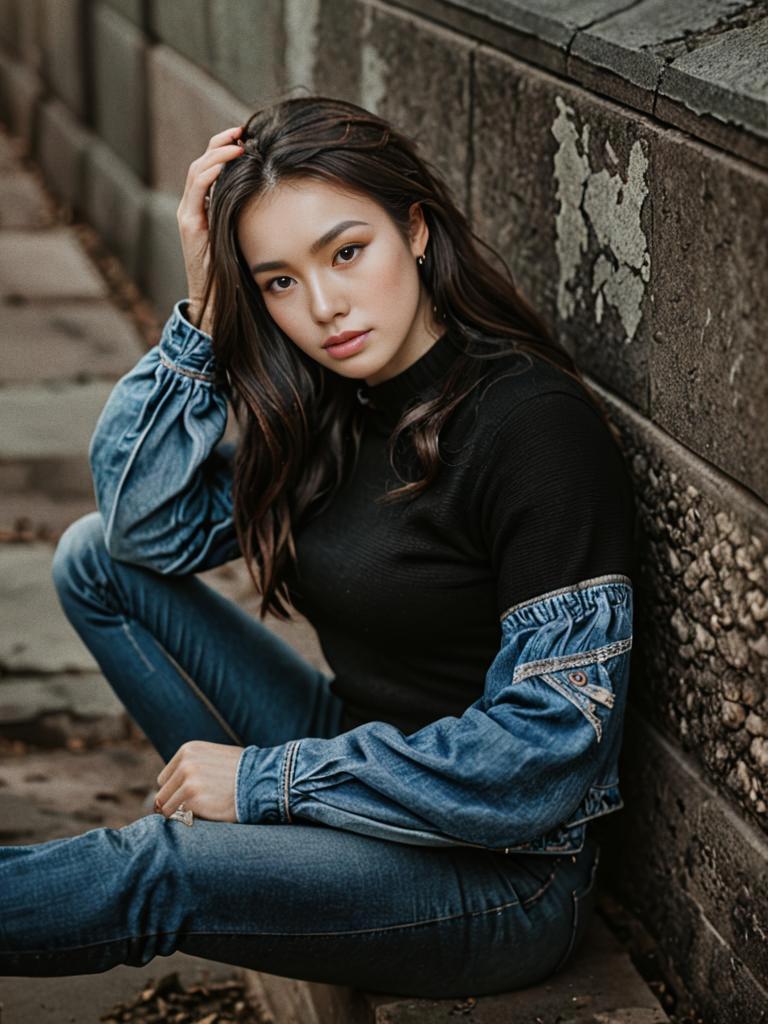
[
  {"x": 163, "y": 490},
  {"x": 520, "y": 759}
]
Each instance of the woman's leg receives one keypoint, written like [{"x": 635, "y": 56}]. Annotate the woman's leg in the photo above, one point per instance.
[
  {"x": 186, "y": 662},
  {"x": 299, "y": 900}
]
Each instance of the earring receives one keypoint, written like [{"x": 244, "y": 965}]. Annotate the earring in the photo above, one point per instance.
[{"x": 420, "y": 260}]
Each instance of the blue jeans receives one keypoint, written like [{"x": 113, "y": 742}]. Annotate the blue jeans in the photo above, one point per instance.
[{"x": 301, "y": 900}]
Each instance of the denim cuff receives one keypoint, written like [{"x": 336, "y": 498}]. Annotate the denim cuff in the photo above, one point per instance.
[
  {"x": 185, "y": 348},
  {"x": 262, "y": 784}
]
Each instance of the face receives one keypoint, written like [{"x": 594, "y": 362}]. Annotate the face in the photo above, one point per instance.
[{"x": 320, "y": 275}]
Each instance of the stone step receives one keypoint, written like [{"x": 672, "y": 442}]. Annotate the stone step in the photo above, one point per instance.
[
  {"x": 66, "y": 341},
  {"x": 47, "y": 264},
  {"x": 35, "y": 635},
  {"x": 600, "y": 985},
  {"x": 45, "y": 431}
]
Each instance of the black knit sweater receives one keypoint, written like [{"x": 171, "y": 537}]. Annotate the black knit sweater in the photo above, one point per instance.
[{"x": 533, "y": 494}]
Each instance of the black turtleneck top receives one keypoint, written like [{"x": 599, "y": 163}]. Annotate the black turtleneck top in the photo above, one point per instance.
[{"x": 532, "y": 495}]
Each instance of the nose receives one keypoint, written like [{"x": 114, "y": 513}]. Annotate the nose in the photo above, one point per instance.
[{"x": 327, "y": 300}]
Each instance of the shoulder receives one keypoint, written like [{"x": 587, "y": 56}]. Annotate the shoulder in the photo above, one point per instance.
[{"x": 526, "y": 396}]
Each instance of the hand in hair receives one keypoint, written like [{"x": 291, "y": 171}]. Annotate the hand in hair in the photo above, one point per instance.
[{"x": 192, "y": 217}]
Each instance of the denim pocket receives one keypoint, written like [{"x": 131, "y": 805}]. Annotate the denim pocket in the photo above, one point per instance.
[{"x": 583, "y": 899}]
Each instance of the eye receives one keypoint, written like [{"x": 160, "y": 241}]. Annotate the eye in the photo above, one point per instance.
[
  {"x": 268, "y": 287},
  {"x": 349, "y": 248}
]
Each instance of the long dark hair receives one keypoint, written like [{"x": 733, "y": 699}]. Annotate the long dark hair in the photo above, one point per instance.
[{"x": 300, "y": 423}]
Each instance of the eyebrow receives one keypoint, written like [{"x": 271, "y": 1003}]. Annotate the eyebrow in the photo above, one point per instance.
[{"x": 321, "y": 242}]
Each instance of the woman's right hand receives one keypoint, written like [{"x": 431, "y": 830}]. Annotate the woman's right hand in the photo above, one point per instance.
[{"x": 192, "y": 216}]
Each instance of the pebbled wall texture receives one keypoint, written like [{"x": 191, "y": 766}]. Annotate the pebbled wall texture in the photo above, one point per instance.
[{"x": 616, "y": 156}]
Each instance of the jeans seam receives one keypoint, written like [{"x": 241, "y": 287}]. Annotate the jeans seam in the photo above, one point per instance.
[
  {"x": 126, "y": 627},
  {"x": 183, "y": 933},
  {"x": 200, "y": 694}
]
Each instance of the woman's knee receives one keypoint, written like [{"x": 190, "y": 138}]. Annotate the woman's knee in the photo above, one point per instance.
[{"x": 78, "y": 550}]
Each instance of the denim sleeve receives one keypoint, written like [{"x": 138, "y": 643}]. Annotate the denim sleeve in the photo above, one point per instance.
[
  {"x": 515, "y": 764},
  {"x": 163, "y": 488}
]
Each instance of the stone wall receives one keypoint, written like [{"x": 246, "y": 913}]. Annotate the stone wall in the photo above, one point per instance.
[{"x": 616, "y": 156}]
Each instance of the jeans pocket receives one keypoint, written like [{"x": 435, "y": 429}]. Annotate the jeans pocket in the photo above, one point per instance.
[{"x": 583, "y": 899}]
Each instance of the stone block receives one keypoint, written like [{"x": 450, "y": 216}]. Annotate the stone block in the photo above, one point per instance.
[
  {"x": 133, "y": 10},
  {"x": 23, "y": 204},
  {"x": 88, "y": 695},
  {"x": 623, "y": 55},
  {"x": 684, "y": 860},
  {"x": 29, "y": 33},
  {"x": 114, "y": 200},
  {"x": 67, "y": 341},
  {"x": 301, "y": 20},
  {"x": 44, "y": 436},
  {"x": 561, "y": 188},
  {"x": 34, "y": 515},
  {"x": 35, "y": 635},
  {"x": 599, "y": 984},
  {"x": 536, "y": 31},
  {"x": 64, "y": 57},
  {"x": 248, "y": 43},
  {"x": 701, "y": 646},
  {"x": 709, "y": 360},
  {"x": 62, "y": 147},
  {"x": 187, "y": 29},
  {"x": 20, "y": 94},
  {"x": 162, "y": 276},
  {"x": 9, "y": 25},
  {"x": 717, "y": 91},
  {"x": 46, "y": 265},
  {"x": 120, "y": 88},
  {"x": 187, "y": 107},
  {"x": 410, "y": 71}
]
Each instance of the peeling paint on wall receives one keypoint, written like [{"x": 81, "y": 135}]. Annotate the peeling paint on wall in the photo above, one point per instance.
[
  {"x": 301, "y": 20},
  {"x": 601, "y": 206}
]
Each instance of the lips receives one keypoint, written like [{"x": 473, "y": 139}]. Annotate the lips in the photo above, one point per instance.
[{"x": 337, "y": 339}]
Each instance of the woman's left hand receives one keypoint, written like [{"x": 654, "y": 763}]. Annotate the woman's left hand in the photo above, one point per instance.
[{"x": 201, "y": 776}]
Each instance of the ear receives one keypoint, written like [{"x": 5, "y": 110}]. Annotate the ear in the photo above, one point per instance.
[{"x": 418, "y": 230}]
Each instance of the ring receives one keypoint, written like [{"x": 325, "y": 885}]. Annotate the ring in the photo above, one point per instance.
[{"x": 182, "y": 814}]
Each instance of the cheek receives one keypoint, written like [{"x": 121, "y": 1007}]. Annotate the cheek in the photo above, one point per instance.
[{"x": 395, "y": 284}]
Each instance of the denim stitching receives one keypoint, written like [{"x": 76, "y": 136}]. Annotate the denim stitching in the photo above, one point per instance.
[
  {"x": 588, "y": 710},
  {"x": 290, "y": 758},
  {"x": 127, "y": 630},
  {"x": 527, "y": 902},
  {"x": 534, "y": 668},
  {"x": 209, "y": 378},
  {"x": 199, "y": 693},
  {"x": 583, "y": 585}
]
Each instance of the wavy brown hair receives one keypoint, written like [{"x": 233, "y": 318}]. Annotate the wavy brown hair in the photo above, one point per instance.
[{"x": 300, "y": 423}]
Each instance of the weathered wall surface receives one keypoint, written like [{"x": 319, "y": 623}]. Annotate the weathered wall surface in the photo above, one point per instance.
[{"x": 616, "y": 156}]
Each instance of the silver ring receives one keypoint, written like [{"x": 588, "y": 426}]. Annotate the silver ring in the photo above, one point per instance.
[{"x": 182, "y": 814}]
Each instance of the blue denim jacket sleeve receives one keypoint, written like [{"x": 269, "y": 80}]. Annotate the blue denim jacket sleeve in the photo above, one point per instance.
[
  {"x": 163, "y": 488},
  {"x": 517, "y": 763}
]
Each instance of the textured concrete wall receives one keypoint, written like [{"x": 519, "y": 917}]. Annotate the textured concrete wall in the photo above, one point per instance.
[{"x": 616, "y": 156}]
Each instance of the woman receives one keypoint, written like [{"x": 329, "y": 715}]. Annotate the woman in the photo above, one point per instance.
[{"x": 422, "y": 473}]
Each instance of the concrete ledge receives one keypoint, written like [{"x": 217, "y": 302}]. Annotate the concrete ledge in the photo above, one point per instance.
[{"x": 599, "y": 984}]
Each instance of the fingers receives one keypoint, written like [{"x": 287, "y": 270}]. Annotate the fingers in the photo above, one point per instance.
[
  {"x": 221, "y": 138},
  {"x": 203, "y": 171}
]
